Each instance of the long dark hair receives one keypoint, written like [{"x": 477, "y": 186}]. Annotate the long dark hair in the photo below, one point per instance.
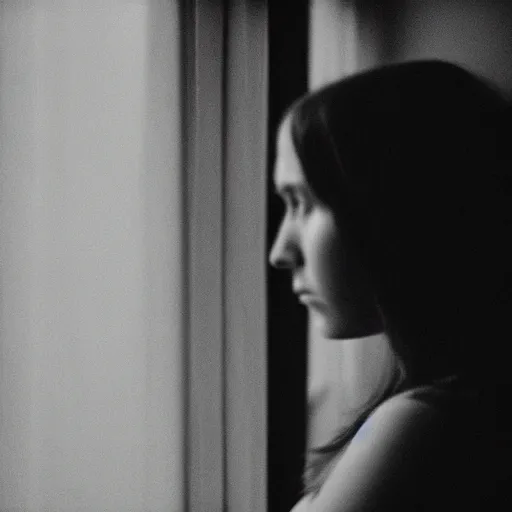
[{"x": 414, "y": 160}]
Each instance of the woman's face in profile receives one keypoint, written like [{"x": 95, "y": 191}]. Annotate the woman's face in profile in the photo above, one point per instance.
[{"x": 311, "y": 245}]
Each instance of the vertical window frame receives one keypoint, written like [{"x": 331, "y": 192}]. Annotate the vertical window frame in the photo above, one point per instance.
[
  {"x": 225, "y": 115},
  {"x": 203, "y": 26}
]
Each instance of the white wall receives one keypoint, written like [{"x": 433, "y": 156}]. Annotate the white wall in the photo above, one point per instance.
[{"x": 90, "y": 257}]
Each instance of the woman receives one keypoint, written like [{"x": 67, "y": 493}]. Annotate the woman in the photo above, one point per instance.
[{"x": 397, "y": 188}]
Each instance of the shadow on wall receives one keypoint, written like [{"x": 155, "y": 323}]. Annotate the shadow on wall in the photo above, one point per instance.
[{"x": 474, "y": 33}]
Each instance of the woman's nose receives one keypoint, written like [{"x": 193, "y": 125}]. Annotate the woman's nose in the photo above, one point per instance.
[{"x": 285, "y": 252}]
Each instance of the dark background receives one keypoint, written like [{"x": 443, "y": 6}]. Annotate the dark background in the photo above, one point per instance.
[{"x": 287, "y": 327}]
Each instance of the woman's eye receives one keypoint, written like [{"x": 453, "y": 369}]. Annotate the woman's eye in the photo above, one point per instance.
[
  {"x": 294, "y": 203},
  {"x": 298, "y": 204}
]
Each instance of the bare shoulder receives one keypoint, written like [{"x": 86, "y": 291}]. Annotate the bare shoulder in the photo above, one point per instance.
[
  {"x": 381, "y": 459},
  {"x": 398, "y": 431},
  {"x": 303, "y": 505},
  {"x": 402, "y": 414}
]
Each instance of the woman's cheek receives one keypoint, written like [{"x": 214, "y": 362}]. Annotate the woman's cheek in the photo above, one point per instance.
[
  {"x": 328, "y": 259},
  {"x": 331, "y": 320}
]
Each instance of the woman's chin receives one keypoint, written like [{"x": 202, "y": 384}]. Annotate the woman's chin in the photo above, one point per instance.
[
  {"x": 327, "y": 327},
  {"x": 337, "y": 329}
]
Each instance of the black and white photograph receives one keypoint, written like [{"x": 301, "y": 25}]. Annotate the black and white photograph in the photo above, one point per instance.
[{"x": 255, "y": 255}]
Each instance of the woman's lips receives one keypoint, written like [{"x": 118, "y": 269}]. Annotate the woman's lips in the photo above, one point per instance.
[{"x": 309, "y": 299}]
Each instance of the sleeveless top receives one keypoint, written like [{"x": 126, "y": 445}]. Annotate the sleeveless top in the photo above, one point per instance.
[
  {"x": 467, "y": 460},
  {"x": 467, "y": 466}
]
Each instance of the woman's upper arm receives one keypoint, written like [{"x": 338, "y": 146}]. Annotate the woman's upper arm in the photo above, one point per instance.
[{"x": 379, "y": 468}]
